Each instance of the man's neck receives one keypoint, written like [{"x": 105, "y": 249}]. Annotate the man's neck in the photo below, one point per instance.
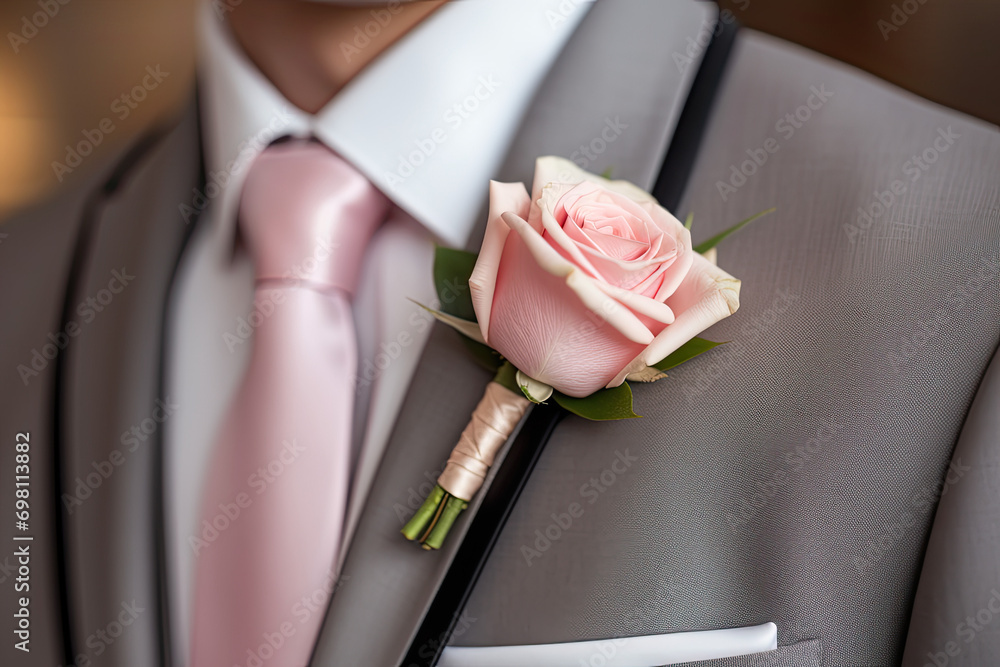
[{"x": 310, "y": 51}]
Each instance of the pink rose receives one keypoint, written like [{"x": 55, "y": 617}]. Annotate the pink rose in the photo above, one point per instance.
[{"x": 599, "y": 281}]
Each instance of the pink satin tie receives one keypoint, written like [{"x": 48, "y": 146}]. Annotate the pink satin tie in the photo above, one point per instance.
[{"x": 276, "y": 492}]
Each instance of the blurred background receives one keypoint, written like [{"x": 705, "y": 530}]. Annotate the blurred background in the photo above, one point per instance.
[{"x": 66, "y": 64}]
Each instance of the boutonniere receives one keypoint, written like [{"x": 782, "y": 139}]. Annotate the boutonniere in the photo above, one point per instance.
[{"x": 582, "y": 287}]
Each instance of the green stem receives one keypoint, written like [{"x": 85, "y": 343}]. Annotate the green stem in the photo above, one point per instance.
[
  {"x": 435, "y": 537},
  {"x": 417, "y": 526}
]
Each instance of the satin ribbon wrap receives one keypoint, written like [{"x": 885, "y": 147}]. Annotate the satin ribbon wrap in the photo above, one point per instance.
[{"x": 494, "y": 419}]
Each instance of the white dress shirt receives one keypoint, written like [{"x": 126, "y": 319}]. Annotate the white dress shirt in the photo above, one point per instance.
[{"x": 429, "y": 122}]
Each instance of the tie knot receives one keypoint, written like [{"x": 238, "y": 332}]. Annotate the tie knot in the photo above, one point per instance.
[{"x": 307, "y": 215}]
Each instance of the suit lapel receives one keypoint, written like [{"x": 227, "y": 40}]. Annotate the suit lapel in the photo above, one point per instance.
[
  {"x": 113, "y": 414},
  {"x": 612, "y": 108},
  {"x": 602, "y": 108}
]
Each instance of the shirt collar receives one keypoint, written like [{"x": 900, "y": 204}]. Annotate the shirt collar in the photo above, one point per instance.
[{"x": 428, "y": 122}]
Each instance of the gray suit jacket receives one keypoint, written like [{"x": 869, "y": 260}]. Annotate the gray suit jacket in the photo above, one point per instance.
[{"x": 833, "y": 469}]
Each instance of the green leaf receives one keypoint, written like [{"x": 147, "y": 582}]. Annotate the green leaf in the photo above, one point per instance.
[
  {"x": 468, "y": 328},
  {"x": 606, "y": 173},
  {"x": 686, "y": 352},
  {"x": 705, "y": 246},
  {"x": 602, "y": 405},
  {"x": 507, "y": 377},
  {"x": 689, "y": 221},
  {"x": 484, "y": 355},
  {"x": 452, "y": 269}
]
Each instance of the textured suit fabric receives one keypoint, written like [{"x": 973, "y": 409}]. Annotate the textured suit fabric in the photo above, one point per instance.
[
  {"x": 956, "y": 613},
  {"x": 788, "y": 476}
]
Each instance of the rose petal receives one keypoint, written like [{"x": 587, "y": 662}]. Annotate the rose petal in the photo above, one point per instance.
[
  {"x": 546, "y": 256},
  {"x": 642, "y": 305},
  {"x": 549, "y": 207},
  {"x": 608, "y": 309},
  {"x": 706, "y": 295},
  {"x": 676, "y": 273},
  {"x": 553, "y": 212},
  {"x": 579, "y": 235},
  {"x": 535, "y": 212},
  {"x": 504, "y": 197},
  {"x": 671, "y": 238},
  {"x": 616, "y": 247},
  {"x": 585, "y": 287},
  {"x": 551, "y": 169},
  {"x": 625, "y": 274},
  {"x": 681, "y": 235},
  {"x": 547, "y": 332}
]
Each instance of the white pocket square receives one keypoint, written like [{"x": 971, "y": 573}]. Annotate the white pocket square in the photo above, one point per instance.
[{"x": 645, "y": 651}]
